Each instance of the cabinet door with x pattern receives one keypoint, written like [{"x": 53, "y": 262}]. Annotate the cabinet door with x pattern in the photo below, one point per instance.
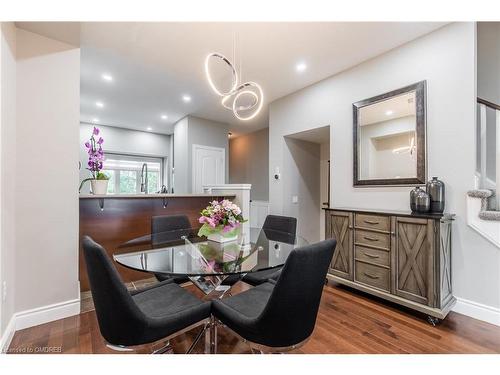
[
  {"x": 414, "y": 260},
  {"x": 339, "y": 226}
]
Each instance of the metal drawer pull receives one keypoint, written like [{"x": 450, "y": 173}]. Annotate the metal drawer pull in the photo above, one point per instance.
[
  {"x": 370, "y": 238},
  {"x": 371, "y": 222},
  {"x": 371, "y": 255},
  {"x": 370, "y": 276}
]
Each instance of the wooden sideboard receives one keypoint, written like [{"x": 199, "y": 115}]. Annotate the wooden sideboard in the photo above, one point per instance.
[{"x": 399, "y": 256}]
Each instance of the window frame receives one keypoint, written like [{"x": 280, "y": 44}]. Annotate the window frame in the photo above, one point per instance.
[{"x": 135, "y": 158}]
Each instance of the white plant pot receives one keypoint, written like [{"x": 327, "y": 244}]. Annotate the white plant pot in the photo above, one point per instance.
[
  {"x": 217, "y": 237},
  {"x": 99, "y": 187}
]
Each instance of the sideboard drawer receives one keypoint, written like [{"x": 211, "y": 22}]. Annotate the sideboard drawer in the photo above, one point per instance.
[
  {"x": 381, "y": 257},
  {"x": 372, "y": 239},
  {"x": 376, "y": 222},
  {"x": 375, "y": 276}
]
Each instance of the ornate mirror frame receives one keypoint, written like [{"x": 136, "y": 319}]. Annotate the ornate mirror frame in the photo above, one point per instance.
[{"x": 420, "y": 113}]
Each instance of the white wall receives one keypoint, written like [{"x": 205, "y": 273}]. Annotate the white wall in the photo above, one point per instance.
[
  {"x": 124, "y": 141},
  {"x": 301, "y": 178},
  {"x": 249, "y": 162},
  {"x": 46, "y": 199},
  {"x": 446, "y": 59},
  {"x": 182, "y": 170},
  {"x": 7, "y": 170},
  {"x": 188, "y": 132}
]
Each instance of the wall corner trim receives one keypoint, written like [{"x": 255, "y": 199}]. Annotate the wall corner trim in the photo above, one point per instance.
[
  {"x": 8, "y": 334},
  {"x": 45, "y": 314},
  {"x": 478, "y": 311},
  {"x": 39, "y": 315}
]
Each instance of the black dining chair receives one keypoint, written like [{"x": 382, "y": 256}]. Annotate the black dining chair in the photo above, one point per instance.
[
  {"x": 278, "y": 316},
  {"x": 130, "y": 319},
  {"x": 277, "y": 228},
  {"x": 164, "y": 230}
]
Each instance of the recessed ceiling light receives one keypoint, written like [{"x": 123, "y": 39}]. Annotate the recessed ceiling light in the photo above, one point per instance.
[
  {"x": 95, "y": 119},
  {"x": 99, "y": 104},
  {"x": 107, "y": 77},
  {"x": 186, "y": 98},
  {"x": 300, "y": 67},
  {"x": 149, "y": 128},
  {"x": 164, "y": 117},
  {"x": 389, "y": 112}
]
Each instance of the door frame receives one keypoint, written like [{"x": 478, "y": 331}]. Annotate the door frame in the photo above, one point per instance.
[{"x": 193, "y": 162}]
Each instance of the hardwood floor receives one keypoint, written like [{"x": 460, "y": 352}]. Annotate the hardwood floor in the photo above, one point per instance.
[{"x": 348, "y": 322}]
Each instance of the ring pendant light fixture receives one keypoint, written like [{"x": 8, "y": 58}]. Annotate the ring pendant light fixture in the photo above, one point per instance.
[
  {"x": 230, "y": 98},
  {"x": 259, "y": 97},
  {"x": 227, "y": 101},
  {"x": 209, "y": 78}
]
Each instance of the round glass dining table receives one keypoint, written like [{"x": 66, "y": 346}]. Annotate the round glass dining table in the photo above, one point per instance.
[{"x": 207, "y": 263}]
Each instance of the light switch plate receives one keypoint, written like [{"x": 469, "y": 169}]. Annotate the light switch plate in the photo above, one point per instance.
[{"x": 295, "y": 199}]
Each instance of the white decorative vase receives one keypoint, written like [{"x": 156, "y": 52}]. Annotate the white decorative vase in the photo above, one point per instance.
[
  {"x": 217, "y": 237},
  {"x": 99, "y": 187}
]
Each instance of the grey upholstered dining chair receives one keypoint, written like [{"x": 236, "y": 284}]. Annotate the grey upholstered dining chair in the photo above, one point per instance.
[
  {"x": 280, "y": 315},
  {"x": 276, "y": 228},
  {"x": 130, "y": 319},
  {"x": 165, "y": 229}
]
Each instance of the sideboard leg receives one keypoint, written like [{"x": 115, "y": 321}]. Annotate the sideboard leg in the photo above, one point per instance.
[{"x": 433, "y": 321}]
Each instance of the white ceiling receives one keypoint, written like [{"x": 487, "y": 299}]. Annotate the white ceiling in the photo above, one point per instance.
[{"x": 154, "y": 64}]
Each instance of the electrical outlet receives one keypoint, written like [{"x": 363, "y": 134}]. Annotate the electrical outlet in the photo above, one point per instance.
[{"x": 4, "y": 291}]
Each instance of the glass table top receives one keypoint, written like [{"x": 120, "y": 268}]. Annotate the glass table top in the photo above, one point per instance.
[
  {"x": 207, "y": 263},
  {"x": 183, "y": 253}
]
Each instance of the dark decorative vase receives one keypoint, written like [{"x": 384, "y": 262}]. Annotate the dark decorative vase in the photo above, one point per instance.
[
  {"x": 435, "y": 189},
  {"x": 422, "y": 201},
  {"x": 413, "y": 198}
]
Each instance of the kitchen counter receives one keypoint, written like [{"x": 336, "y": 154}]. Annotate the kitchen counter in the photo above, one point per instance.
[
  {"x": 151, "y": 196},
  {"x": 114, "y": 219}
]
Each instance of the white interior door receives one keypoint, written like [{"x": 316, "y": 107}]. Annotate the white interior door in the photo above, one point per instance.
[{"x": 209, "y": 167}]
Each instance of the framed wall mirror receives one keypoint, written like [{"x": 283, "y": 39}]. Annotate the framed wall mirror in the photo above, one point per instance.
[{"x": 389, "y": 138}]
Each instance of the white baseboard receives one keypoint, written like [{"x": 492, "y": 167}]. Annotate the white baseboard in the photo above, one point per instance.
[
  {"x": 45, "y": 314},
  {"x": 7, "y": 336},
  {"x": 478, "y": 311}
]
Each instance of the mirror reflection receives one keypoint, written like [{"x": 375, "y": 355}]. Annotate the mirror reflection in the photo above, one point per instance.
[{"x": 387, "y": 132}]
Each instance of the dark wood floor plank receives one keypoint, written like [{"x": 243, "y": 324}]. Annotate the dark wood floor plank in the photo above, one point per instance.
[
  {"x": 432, "y": 339},
  {"x": 348, "y": 322}
]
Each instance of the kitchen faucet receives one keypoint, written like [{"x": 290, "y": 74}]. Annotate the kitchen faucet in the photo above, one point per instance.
[{"x": 144, "y": 179}]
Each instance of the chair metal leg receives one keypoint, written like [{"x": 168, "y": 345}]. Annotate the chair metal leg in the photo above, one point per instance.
[
  {"x": 197, "y": 338},
  {"x": 119, "y": 348},
  {"x": 213, "y": 336},
  {"x": 208, "y": 332},
  {"x": 167, "y": 348}
]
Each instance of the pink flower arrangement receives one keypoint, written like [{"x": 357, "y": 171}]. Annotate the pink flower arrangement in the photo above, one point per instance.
[{"x": 220, "y": 217}]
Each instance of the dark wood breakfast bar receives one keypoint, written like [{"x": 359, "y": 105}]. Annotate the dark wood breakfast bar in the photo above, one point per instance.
[{"x": 112, "y": 220}]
